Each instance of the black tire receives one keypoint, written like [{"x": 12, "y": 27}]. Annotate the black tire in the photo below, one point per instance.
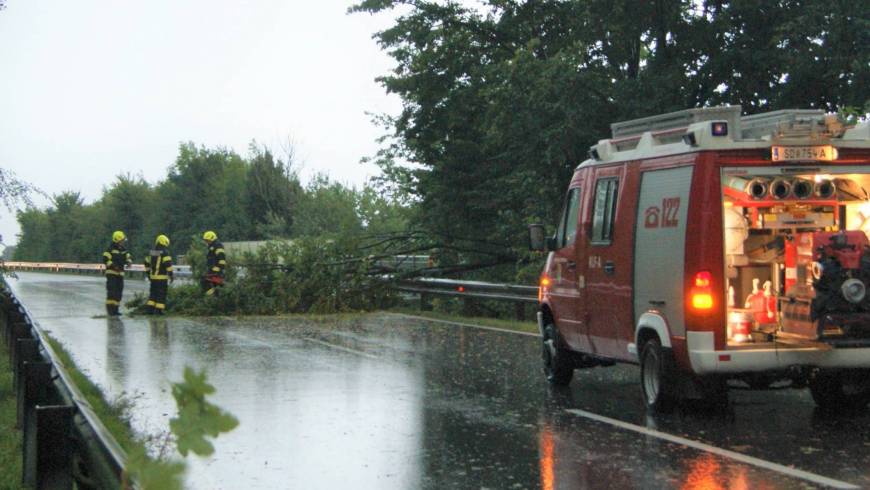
[
  {"x": 656, "y": 377},
  {"x": 558, "y": 364},
  {"x": 837, "y": 392}
]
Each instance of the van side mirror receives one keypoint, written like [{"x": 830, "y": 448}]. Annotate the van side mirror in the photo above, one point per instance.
[{"x": 538, "y": 239}]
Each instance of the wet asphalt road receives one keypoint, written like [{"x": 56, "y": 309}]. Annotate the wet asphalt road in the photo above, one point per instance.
[{"x": 388, "y": 401}]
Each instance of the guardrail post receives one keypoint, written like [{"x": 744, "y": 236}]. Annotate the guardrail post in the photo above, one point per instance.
[
  {"x": 19, "y": 330},
  {"x": 33, "y": 391},
  {"x": 4, "y": 315},
  {"x": 425, "y": 302},
  {"x": 53, "y": 447},
  {"x": 26, "y": 350}
]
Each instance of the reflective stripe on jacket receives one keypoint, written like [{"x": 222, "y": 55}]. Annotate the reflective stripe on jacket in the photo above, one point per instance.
[
  {"x": 116, "y": 258},
  {"x": 158, "y": 263},
  {"x": 216, "y": 260}
]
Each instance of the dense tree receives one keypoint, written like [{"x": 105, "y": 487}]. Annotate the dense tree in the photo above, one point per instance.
[
  {"x": 502, "y": 98},
  {"x": 272, "y": 193},
  {"x": 203, "y": 191},
  {"x": 327, "y": 208}
]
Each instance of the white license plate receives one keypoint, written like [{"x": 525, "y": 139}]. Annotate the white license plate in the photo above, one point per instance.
[{"x": 783, "y": 153}]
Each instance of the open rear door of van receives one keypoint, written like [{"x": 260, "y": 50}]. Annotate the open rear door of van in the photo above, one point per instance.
[{"x": 660, "y": 245}]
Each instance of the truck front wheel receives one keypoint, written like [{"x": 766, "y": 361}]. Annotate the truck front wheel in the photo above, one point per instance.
[
  {"x": 656, "y": 377},
  {"x": 558, "y": 365}
]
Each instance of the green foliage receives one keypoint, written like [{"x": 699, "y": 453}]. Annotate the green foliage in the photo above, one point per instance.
[
  {"x": 272, "y": 192},
  {"x": 853, "y": 115},
  {"x": 197, "y": 419},
  {"x": 502, "y": 98},
  {"x": 326, "y": 208},
  {"x": 306, "y": 275},
  {"x": 150, "y": 473},
  {"x": 206, "y": 189},
  {"x": 154, "y": 474},
  {"x": 10, "y": 436}
]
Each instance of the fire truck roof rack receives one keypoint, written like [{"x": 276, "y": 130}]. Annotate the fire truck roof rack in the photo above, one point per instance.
[
  {"x": 674, "y": 120},
  {"x": 790, "y": 123},
  {"x": 691, "y": 129}
]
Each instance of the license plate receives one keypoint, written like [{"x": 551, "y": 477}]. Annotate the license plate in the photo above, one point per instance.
[{"x": 784, "y": 153}]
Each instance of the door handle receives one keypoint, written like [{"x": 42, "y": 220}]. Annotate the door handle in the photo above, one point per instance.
[
  {"x": 571, "y": 264},
  {"x": 609, "y": 267}
]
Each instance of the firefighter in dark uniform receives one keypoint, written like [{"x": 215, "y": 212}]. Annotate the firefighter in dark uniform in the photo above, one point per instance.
[
  {"x": 215, "y": 263},
  {"x": 158, "y": 265},
  {"x": 116, "y": 258}
]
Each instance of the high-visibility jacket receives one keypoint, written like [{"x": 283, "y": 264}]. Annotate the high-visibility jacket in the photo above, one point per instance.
[
  {"x": 158, "y": 264},
  {"x": 216, "y": 260},
  {"x": 116, "y": 258}
]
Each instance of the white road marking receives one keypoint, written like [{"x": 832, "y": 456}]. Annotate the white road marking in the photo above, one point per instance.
[
  {"x": 482, "y": 327},
  {"x": 342, "y": 348},
  {"x": 725, "y": 453}
]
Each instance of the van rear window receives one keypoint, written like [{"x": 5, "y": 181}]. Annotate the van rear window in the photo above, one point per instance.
[{"x": 604, "y": 210}]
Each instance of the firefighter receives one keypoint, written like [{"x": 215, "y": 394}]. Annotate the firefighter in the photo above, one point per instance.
[
  {"x": 215, "y": 263},
  {"x": 116, "y": 258},
  {"x": 158, "y": 265}
]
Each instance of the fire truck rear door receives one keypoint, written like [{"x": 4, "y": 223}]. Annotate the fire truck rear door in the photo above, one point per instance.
[{"x": 660, "y": 244}]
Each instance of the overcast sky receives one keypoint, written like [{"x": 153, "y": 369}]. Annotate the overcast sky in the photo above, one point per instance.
[{"x": 90, "y": 89}]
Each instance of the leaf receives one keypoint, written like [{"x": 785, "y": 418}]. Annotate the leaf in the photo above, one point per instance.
[{"x": 197, "y": 419}]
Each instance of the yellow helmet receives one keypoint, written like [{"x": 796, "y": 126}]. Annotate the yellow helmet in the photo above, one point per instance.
[
  {"x": 118, "y": 236},
  {"x": 209, "y": 236},
  {"x": 162, "y": 240}
]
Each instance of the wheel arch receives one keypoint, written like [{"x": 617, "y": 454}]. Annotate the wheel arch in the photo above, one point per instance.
[{"x": 652, "y": 324}]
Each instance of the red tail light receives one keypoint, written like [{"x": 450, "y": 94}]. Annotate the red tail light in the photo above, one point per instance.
[{"x": 702, "y": 291}]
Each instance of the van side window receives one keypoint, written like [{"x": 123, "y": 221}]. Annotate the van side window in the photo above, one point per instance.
[
  {"x": 568, "y": 224},
  {"x": 604, "y": 211}
]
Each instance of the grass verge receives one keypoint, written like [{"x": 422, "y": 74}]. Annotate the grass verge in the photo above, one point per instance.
[
  {"x": 518, "y": 326},
  {"x": 115, "y": 415},
  {"x": 10, "y": 436}
]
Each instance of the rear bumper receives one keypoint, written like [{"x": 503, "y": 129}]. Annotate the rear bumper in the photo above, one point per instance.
[{"x": 706, "y": 360}]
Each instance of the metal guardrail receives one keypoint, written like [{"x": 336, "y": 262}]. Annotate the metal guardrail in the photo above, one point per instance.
[
  {"x": 469, "y": 291},
  {"x": 426, "y": 287},
  {"x": 94, "y": 269},
  {"x": 64, "y": 441}
]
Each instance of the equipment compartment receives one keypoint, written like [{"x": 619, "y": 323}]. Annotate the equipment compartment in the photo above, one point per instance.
[{"x": 797, "y": 257}]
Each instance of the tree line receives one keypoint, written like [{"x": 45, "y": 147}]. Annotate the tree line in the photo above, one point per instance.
[{"x": 255, "y": 197}]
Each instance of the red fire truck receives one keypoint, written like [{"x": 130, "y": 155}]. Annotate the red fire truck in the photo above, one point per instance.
[{"x": 707, "y": 247}]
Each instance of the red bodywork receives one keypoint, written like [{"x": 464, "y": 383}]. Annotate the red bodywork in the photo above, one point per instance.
[{"x": 605, "y": 325}]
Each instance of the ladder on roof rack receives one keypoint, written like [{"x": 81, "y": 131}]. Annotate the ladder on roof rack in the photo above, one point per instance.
[{"x": 788, "y": 123}]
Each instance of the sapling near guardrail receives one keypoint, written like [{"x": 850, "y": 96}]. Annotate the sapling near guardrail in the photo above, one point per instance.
[{"x": 197, "y": 422}]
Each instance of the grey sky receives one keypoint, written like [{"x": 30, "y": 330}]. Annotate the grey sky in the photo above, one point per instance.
[{"x": 90, "y": 89}]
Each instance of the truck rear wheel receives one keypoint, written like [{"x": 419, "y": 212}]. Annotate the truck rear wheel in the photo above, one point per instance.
[
  {"x": 656, "y": 377},
  {"x": 839, "y": 391},
  {"x": 558, "y": 364}
]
